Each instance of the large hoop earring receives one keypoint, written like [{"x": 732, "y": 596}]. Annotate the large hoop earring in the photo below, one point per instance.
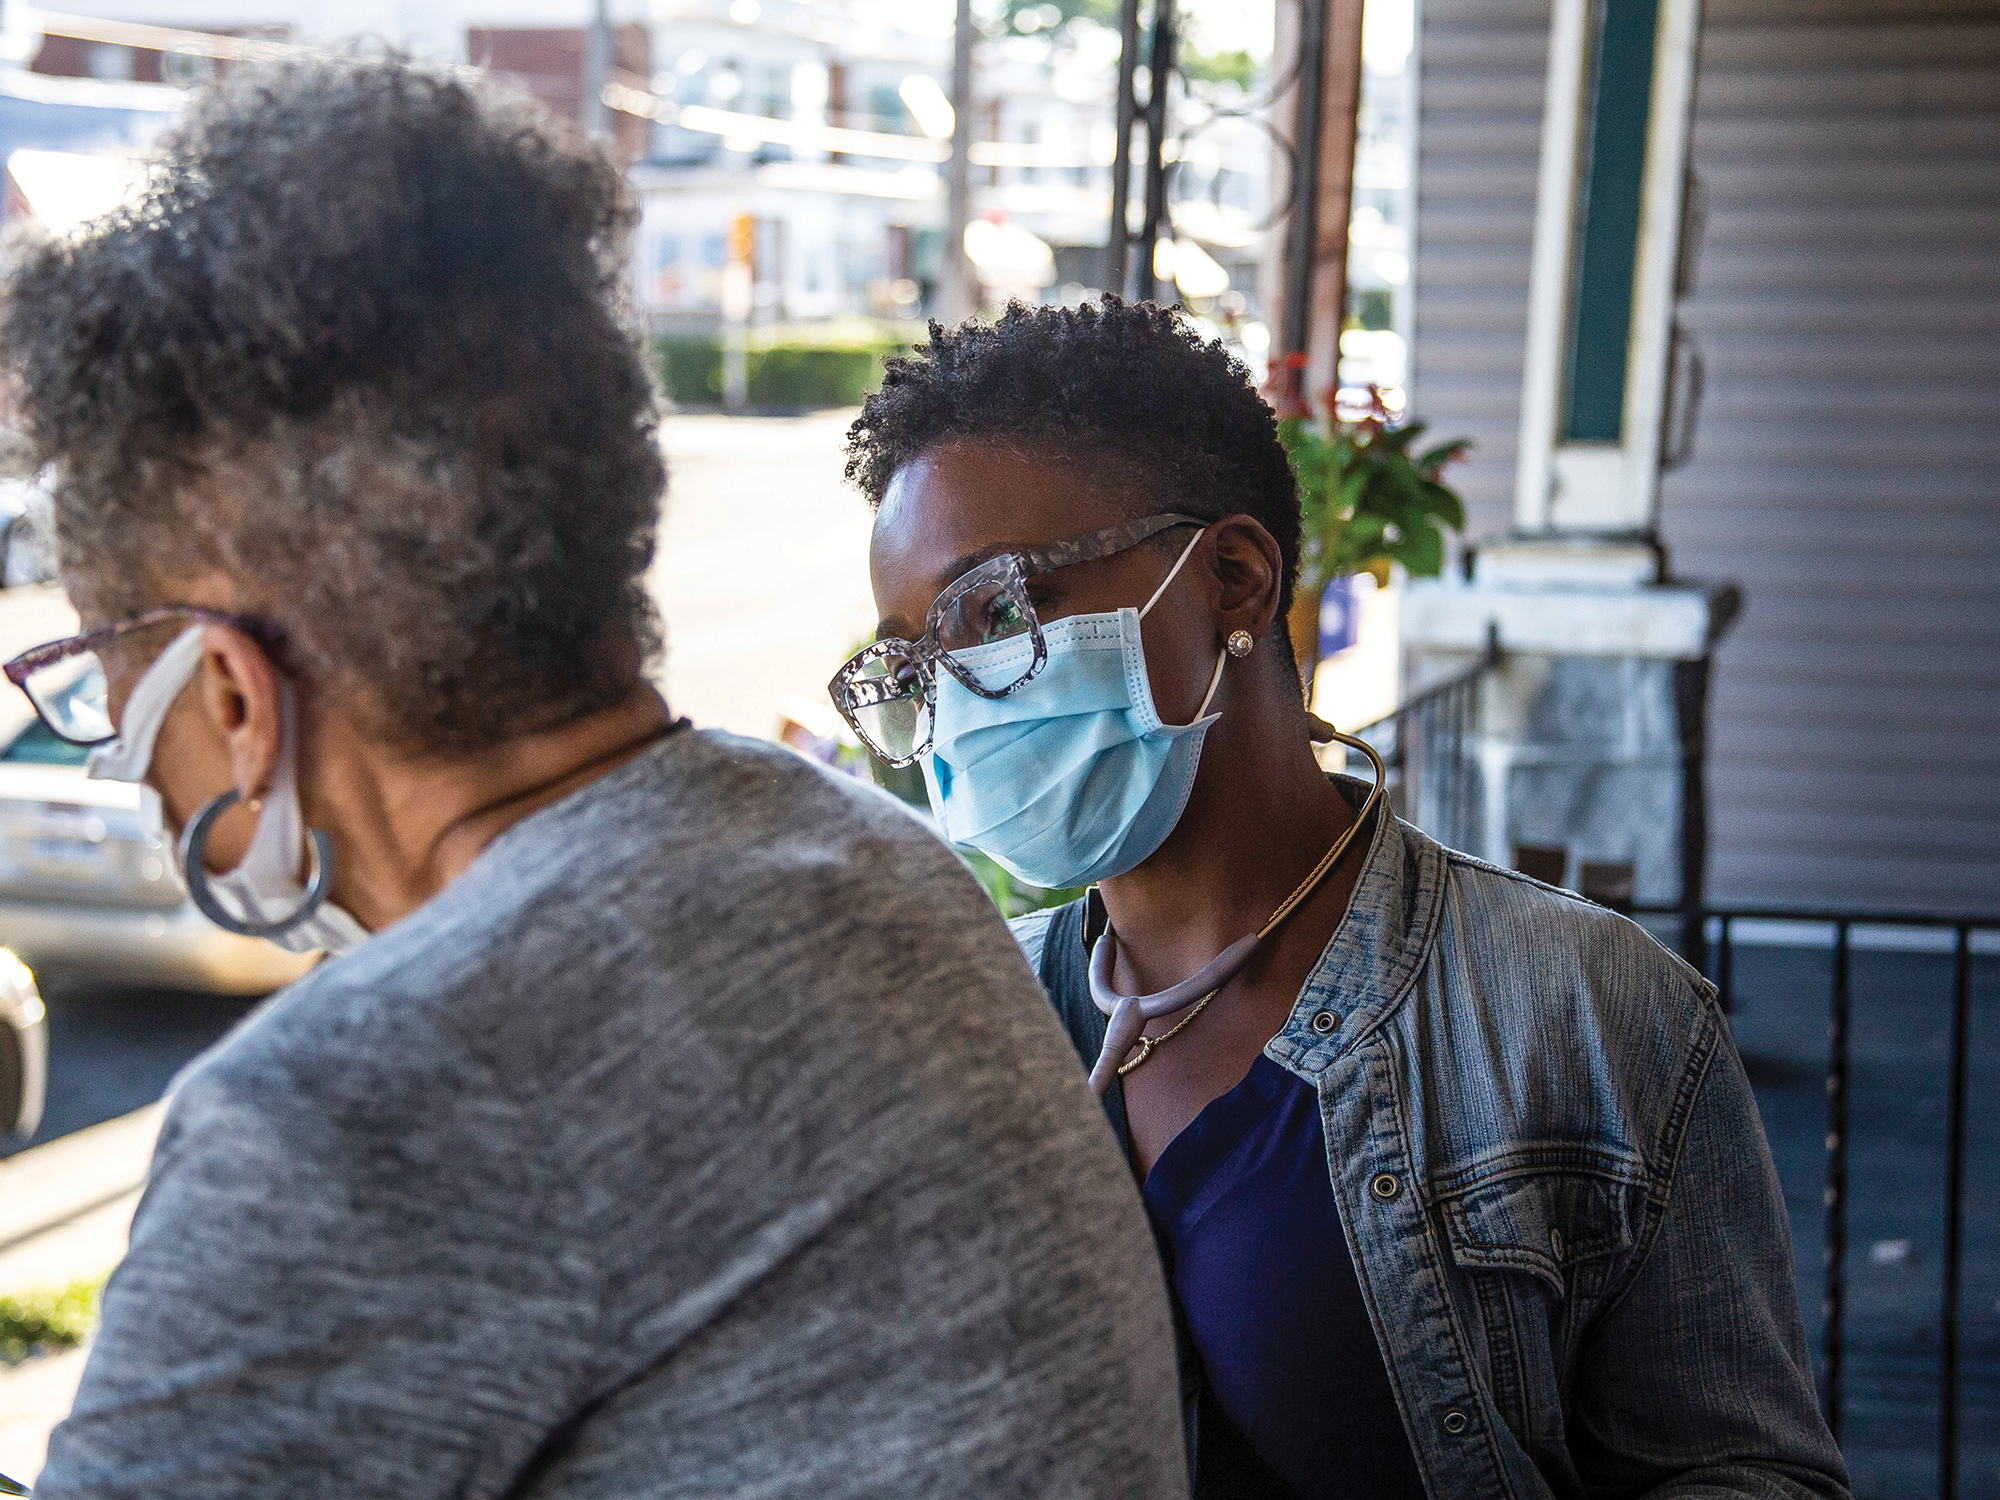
[{"x": 194, "y": 860}]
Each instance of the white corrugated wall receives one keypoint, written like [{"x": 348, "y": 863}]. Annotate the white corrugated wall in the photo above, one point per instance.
[{"x": 1847, "y": 464}]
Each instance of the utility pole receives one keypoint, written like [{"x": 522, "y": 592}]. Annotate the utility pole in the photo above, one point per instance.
[
  {"x": 1324, "y": 127},
  {"x": 958, "y": 295},
  {"x": 1302, "y": 233},
  {"x": 1117, "y": 243},
  {"x": 738, "y": 292},
  {"x": 597, "y": 72},
  {"x": 1159, "y": 69}
]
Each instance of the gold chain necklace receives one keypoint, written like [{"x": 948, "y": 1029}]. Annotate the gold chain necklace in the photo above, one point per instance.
[{"x": 1148, "y": 1045}]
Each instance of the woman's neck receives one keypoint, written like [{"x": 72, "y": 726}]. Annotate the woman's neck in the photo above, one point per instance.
[
  {"x": 409, "y": 828},
  {"x": 1259, "y": 818}
]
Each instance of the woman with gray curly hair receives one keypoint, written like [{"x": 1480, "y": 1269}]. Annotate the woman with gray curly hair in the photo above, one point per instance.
[{"x": 678, "y": 1120}]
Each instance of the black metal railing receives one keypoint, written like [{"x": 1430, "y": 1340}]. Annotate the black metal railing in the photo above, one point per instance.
[
  {"x": 1717, "y": 927},
  {"x": 1429, "y": 746}
]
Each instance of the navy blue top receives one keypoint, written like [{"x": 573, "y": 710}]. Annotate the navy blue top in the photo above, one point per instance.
[{"x": 1250, "y": 1228}]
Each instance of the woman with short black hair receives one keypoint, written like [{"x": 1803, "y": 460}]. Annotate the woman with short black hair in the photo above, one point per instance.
[{"x": 1457, "y": 1178}]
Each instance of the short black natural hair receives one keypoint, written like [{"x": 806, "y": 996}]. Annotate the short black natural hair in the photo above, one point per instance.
[
  {"x": 362, "y": 347},
  {"x": 1131, "y": 383}
]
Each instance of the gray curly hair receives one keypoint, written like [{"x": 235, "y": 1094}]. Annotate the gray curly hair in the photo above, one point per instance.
[{"x": 361, "y": 347}]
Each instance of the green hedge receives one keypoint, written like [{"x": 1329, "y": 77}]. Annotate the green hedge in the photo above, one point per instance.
[
  {"x": 45, "y": 1321},
  {"x": 779, "y": 373}
]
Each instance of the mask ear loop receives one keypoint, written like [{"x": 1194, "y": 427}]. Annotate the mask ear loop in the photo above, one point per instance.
[
  {"x": 1173, "y": 572},
  {"x": 194, "y": 861},
  {"x": 1214, "y": 682},
  {"x": 1215, "y": 677}
]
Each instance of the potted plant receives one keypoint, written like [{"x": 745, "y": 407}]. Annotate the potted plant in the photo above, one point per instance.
[{"x": 1366, "y": 502}]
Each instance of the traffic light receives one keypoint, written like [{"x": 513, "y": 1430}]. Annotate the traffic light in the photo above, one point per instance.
[{"x": 742, "y": 239}]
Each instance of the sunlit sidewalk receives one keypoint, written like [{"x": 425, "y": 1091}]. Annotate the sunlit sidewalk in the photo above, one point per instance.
[
  {"x": 762, "y": 574},
  {"x": 65, "y": 1209}
]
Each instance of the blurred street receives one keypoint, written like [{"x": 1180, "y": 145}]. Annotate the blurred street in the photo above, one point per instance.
[
  {"x": 762, "y": 574},
  {"x": 64, "y": 1209}
]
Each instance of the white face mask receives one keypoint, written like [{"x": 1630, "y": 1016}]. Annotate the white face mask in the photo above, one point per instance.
[{"x": 265, "y": 888}]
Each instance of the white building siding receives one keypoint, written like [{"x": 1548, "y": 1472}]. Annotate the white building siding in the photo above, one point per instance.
[{"x": 1847, "y": 463}]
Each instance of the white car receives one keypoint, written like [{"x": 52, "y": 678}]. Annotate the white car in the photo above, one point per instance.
[{"x": 82, "y": 888}]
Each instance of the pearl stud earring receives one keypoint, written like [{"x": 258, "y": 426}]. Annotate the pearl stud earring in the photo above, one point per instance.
[{"x": 1239, "y": 643}]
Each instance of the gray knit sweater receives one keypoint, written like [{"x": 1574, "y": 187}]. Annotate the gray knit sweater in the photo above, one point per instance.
[{"x": 708, "y": 1137}]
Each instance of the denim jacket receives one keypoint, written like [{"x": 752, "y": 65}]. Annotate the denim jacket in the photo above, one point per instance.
[{"x": 1558, "y": 1198}]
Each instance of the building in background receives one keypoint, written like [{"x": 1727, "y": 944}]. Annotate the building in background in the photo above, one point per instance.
[
  {"x": 553, "y": 64},
  {"x": 58, "y": 94},
  {"x": 721, "y": 107},
  {"x": 747, "y": 100},
  {"x": 723, "y": 110},
  {"x": 827, "y": 124},
  {"x": 433, "y": 30}
]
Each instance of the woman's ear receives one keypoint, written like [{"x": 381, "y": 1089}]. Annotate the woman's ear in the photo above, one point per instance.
[
  {"x": 1249, "y": 570},
  {"x": 239, "y": 694}
]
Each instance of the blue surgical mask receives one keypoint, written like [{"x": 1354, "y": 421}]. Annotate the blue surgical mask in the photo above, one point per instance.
[{"x": 1074, "y": 778}]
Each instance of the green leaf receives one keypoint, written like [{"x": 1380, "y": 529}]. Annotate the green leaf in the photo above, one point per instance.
[
  {"x": 1352, "y": 488},
  {"x": 1365, "y": 530},
  {"x": 1403, "y": 494},
  {"x": 1421, "y": 551},
  {"x": 1397, "y": 440},
  {"x": 46, "y": 1320},
  {"x": 1358, "y": 486},
  {"x": 1445, "y": 504},
  {"x": 1433, "y": 459}
]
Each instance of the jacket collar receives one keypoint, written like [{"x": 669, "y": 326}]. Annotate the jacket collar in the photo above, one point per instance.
[{"x": 1375, "y": 953}]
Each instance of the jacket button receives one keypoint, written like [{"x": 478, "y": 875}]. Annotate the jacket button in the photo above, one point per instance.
[
  {"x": 1326, "y": 1022},
  {"x": 1454, "y": 1422},
  {"x": 1385, "y": 1186},
  {"x": 1556, "y": 1243}
]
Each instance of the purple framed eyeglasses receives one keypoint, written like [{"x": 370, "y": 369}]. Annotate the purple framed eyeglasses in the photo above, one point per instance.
[{"x": 65, "y": 679}]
